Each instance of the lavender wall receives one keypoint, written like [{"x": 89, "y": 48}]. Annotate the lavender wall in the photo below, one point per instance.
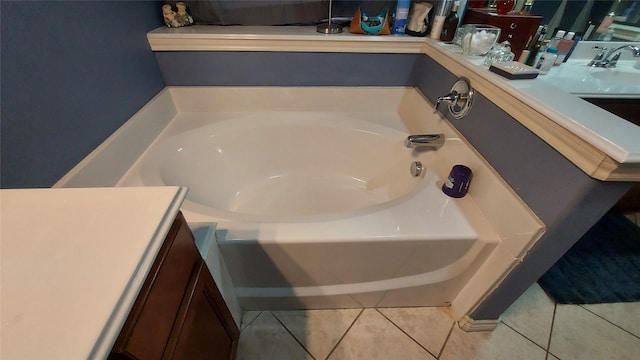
[
  {"x": 567, "y": 200},
  {"x": 245, "y": 68},
  {"x": 72, "y": 73}
]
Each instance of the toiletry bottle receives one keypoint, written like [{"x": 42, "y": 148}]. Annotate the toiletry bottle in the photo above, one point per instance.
[
  {"x": 536, "y": 44},
  {"x": 450, "y": 24},
  {"x": 438, "y": 20},
  {"x": 526, "y": 10},
  {"x": 553, "y": 43},
  {"x": 547, "y": 59},
  {"x": 576, "y": 40},
  {"x": 402, "y": 13},
  {"x": 564, "y": 46}
]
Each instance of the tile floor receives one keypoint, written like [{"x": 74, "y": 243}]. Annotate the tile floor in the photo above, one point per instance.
[{"x": 534, "y": 327}]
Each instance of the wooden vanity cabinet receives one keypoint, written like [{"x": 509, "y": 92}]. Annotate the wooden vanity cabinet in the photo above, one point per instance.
[
  {"x": 179, "y": 312},
  {"x": 517, "y": 29}
]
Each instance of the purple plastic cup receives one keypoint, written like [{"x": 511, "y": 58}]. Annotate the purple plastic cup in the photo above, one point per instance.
[{"x": 457, "y": 184}]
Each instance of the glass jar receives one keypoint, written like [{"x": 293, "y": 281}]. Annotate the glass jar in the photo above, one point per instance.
[{"x": 499, "y": 53}]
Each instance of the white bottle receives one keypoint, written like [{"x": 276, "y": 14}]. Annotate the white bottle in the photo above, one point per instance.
[{"x": 546, "y": 60}]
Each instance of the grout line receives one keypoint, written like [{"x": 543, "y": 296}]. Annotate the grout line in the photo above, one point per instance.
[
  {"x": 293, "y": 336},
  {"x": 345, "y": 334},
  {"x": 446, "y": 340},
  {"x": 250, "y": 322},
  {"x": 404, "y": 332},
  {"x": 553, "y": 321},
  {"x": 607, "y": 320},
  {"x": 523, "y": 335}
]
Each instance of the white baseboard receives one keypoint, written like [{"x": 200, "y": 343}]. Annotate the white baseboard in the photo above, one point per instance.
[{"x": 470, "y": 325}]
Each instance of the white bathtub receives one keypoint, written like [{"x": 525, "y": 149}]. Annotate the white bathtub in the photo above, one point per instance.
[
  {"x": 320, "y": 210},
  {"x": 317, "y": 208}
]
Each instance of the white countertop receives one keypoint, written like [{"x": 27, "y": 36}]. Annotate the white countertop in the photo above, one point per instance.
[
  {"x": 613, "y": 135},
  {"x": 73, "y": 262}
]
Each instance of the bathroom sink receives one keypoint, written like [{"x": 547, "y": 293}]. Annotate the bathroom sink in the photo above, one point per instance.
[
  {"x": 622, "y": 76},
  {"x": 576, "y": 77}
]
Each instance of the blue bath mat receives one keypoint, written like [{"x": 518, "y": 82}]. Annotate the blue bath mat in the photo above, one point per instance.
[{"x": 602, "y": 267}]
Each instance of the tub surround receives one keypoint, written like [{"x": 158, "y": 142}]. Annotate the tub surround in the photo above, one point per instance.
[
  {"x": 565, "y": 197},
  {"x": 495, "y": 201},
  {"x": 605, "y": 150},
  {"x": 73, "y": 262},
  {"x": 106, "y": 164}
]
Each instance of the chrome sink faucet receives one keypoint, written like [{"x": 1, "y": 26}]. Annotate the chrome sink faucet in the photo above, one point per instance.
[
  {"x": 611, "y": 58},
  {"x": 434, "y": 141}
]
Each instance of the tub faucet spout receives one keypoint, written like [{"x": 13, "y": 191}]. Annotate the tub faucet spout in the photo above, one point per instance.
[{"x": 434, "y": 141}]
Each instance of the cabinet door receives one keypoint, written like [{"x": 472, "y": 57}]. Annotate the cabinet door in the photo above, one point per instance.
[
  {"x": 174, "y": 304},
  {"x": 205, "y": 329}
]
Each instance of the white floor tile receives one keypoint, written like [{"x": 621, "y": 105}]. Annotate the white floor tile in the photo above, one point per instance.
[
  {"x": 532, "y": 315},
  {"x": 429, "y": 326},
  {"x": 580, "y": 335},
  {"x": 374, "y": 337},
  {"x": 501, "y": 343},
  {"x": 247, "y": 318},
  {"x": 318, "y": 330},
  {"x": 266, "y": 339},
  {"x": 625, "y": 315}
]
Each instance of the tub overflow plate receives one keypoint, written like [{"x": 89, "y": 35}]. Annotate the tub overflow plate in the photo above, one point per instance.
[{"x": 416, "y": 169}]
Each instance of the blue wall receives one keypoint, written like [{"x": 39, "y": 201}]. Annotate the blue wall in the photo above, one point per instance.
[{"x": 72, "y": 73}]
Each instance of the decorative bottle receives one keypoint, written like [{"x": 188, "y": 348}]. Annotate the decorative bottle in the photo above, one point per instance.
[
  {"x": 450, "y": 24},
  {"x": 438, "y": 20},
  {"x": 504, "y": 6},
  {"x": 536, "y": 46}
]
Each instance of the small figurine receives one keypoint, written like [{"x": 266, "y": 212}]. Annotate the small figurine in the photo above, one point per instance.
[
  {"x": 183, "y": 17},
  {"x": 169, "y": 16},
  {"x": 173, "y": 19}
]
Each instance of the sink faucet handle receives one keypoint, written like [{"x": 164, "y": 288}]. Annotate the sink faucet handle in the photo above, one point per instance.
[
  {"x": 601, "y": 49},
  {"x": 597, "y": 59},
  {"x": 614, "y": 60}
]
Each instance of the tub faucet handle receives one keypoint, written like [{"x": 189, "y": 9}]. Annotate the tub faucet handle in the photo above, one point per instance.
[
  {"x": 459, "y": 99},
  {"x": 451, "y": 99}
]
